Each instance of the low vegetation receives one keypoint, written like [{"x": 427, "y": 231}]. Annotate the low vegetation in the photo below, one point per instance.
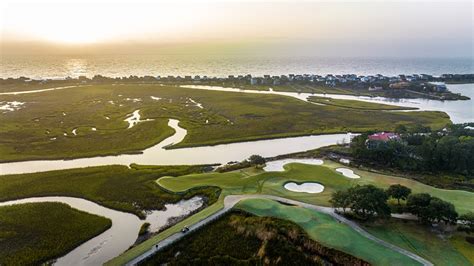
[
  {"x": 43, "y": 129},
  {"x": 119, "y": 187},
  {"x": 249, "y": 240},
  {"x": 34, "y": 233}
]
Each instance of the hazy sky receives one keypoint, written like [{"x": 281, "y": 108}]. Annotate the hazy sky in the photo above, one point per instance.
[{"x": 321, "y": 28}]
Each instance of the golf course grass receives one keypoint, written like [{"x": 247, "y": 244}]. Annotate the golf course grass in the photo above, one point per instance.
[
  {"x": 118, "y": 187},
  {"x": 33, "y": 233},
  {"x": 240, "y": 182},
  {"x": 420, "y": 240},
  {"x": 327, "y": 231},
  {"x": 245, "y": 239},
  {"x": 43, "y": 127}
]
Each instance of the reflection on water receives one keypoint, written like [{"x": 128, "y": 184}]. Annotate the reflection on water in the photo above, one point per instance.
[
  {"x": 221, "y": 65},
  {"x": 76, "y": 67}
]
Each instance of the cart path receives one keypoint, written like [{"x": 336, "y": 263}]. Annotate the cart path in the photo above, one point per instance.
[{"x": 232, "y": 200}]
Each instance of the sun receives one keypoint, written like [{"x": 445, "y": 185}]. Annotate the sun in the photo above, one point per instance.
[{"x": 71, "y": 35}]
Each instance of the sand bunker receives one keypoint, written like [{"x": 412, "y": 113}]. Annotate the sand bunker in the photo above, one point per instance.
[
  {"x": 309, "y": 187},
  {"x": 347, "y": 172},
  {"x": 277, "y": 165}
]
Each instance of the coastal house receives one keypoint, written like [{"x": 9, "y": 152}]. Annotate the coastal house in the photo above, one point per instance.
[
  {"x": 440, "y": 88},
  {"x": 381, "y": 138},
  {"x": 375, "y": 88},
  {"x": 253, "y": 81}
]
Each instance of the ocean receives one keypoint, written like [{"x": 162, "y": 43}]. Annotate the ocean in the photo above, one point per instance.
[{"x": 35, "y": 66}]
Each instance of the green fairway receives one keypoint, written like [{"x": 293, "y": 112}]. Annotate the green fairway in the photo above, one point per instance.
[
  {"x": 43, "y": 127},
  {"x": 420, "y": 240},
  {"x": 119, "y": 187},
  {"x": 272, "y": 183},
  {"x": 33, "y": 233},
  {"x": 327, "y": 231},
  {"x": 245, "y": 239}
]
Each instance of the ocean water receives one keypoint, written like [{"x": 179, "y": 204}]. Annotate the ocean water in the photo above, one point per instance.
[{"x": 221, "y": 66}]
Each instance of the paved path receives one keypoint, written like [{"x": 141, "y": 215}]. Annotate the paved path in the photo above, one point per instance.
[{"x": 232, "y": 200}]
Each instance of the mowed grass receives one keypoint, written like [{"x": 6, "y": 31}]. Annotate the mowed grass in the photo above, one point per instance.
[
  {"x": 327, "y": 231},
  {"x": 239, "y": 182},
  {"x": 422, "y": 241},
  {"x": 118, "y": 187},
  {"x": 37, "y": 130},
  {"x": 33, "y": 233}
]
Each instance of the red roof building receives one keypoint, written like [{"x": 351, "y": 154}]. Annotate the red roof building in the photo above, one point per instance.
[{"x": 384, "y": 136}]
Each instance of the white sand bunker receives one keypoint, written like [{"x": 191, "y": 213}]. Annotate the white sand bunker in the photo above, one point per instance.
[
  {"x": 347, "y": 172},
  {"x": 155, "y": 98},
  {"x": 10, "y": 106},
  {"x": 309, "y": 187},
  {"x": 277, "y": 165},
  {"x": 134, "y": 119}
]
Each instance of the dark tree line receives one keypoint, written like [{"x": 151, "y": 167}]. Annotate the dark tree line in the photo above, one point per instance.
[
  {"x": 368, "y": 202},
  {"x": 450, "y": 150}
]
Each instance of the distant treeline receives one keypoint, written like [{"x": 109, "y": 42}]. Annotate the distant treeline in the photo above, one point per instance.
[{"x": 290, "y": 78}]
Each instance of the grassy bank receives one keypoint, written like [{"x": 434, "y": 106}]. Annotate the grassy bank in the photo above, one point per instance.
[
  {"x": 31, "y": 234},
  {"x": 327, "y": 231},
  {"x": 43, "y": 127},
  {"x": 423, "y": 241},
  {"x": 118, "y": 187},
  {"x": 358, "y": 105},
  {"x": 246, "y": 239}
]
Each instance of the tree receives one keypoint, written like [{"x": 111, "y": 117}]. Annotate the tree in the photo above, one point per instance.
[
  {"x": 341, "y": 199},
  {"x": 398, "y": 192},
  {"x": 256, "y": 160},
  {"x": 400, "y": 129},
  {"x": 467, "y": 220},
  {"x": 368, "y": 202},
  {"x": 431, "y": 209},
  {"x": 418, "y": 205},
  {"x": 440, "y": 210}
]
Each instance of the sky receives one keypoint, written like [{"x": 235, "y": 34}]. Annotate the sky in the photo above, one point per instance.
[{"x": 317, "y": 28}]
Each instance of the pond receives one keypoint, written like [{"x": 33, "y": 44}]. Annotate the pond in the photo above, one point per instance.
[{"x": 308, "y": 187}]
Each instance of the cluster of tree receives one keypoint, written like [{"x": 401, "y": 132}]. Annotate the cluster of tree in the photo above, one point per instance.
[
  {"x": 450, "y": 150},
  {"x": 369, "y": 202},
  {"x": 366, "y": 202},
  {"x": 467, "y": 222},
  {"x": 254, "y": 160},
  {"x": 431, "y": 209}
]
